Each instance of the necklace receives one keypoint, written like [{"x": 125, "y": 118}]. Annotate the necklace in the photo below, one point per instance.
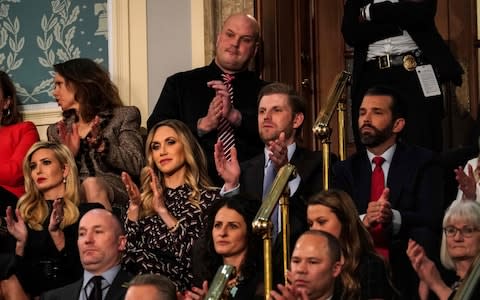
[
  {"x": 456, "y": 284},
  {"x": 232, "y": 287}
]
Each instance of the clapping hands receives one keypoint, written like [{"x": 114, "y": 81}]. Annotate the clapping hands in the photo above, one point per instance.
[
  {"x": 56, "y": 217},
  {"x": 466, "y": 183},
  {"x": 71, "y": 139},
  {"x": 17, "y": 229}
]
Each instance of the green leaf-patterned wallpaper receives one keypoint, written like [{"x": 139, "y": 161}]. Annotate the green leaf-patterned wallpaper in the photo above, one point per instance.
[{"x": 35, "y": 34}]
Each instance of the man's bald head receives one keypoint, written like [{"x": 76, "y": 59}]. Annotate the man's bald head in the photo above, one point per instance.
[
  {"x": 237, "y": 43},
  {"x": 100, "y": 241}
]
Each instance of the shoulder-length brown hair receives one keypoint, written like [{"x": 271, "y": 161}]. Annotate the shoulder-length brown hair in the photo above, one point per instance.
[
  {"x": 355, "y": 239},
  {"x": 93, "y": 89}
]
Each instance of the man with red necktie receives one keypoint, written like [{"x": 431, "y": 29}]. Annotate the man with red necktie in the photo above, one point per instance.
[{"x": 397, "y": 188}]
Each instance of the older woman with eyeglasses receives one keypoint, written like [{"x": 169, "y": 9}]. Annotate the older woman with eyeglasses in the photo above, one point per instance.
[{"x": 460, "y": 246}]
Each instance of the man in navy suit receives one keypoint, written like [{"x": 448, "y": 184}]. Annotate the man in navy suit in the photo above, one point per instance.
[
  {"x": 410, "y": 206},
  {"x": 100, "y": 242},
  {"x": 281, "y": 114}
]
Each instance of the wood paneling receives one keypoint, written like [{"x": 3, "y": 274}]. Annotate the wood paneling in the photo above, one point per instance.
[{"x": 303, "y": 43}]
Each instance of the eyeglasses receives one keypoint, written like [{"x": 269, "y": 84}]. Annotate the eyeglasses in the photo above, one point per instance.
[{"x": 466, "y": 231}]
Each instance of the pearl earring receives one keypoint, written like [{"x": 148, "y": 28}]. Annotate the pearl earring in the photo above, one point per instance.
[{"x": 64, "y": 180}]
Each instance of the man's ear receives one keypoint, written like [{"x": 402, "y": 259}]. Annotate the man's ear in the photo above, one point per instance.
[
  {"x": 298, "y": 120},
  {"x": 398, "y": 125},
  {"x": 217, "y": 40},
  {"x": 122, "y": 243},
  {"x": 336, "y": 269},
  {"x": 257, "y": 45}
]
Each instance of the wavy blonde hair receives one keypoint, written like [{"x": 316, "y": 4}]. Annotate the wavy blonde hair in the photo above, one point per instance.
[
  {"x": 196, "y": 175},
  {"x": 32, "y": 205}
]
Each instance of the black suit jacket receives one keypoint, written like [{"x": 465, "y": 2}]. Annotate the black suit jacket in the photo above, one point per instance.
[
  {"x": 390, "y": 19},
  {"x": 72, "y": 291},
  {"x": 186, "y": 97},
  {"x": 309, "y": 167}
]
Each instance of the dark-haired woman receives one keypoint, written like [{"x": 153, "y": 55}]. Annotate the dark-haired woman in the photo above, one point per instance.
[
  {"x": 16, "y": 137},
  {"x": 102, "y": 134},
  {"x": 229, "y": 239}
]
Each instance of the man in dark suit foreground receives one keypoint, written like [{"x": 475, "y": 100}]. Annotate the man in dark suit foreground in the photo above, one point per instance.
[
  {"x": 280, "y": 118},
  {"x": 101, "y": 242},
  {"x": 410, "y": 204}
]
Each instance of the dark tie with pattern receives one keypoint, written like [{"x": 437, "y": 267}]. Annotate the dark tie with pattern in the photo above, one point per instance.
[
  {"x": 225, "y": 130},
  {"x": 96, "y": 292},
  {"x": 378, "y": 185}
]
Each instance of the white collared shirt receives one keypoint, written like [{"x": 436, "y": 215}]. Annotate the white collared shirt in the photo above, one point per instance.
[
  {"x": 387, "y": 156},
  {"x": 107, "y": 281},
  {"x": 292, "y": 184}
]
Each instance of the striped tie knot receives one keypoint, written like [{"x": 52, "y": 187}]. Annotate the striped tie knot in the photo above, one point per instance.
[
  {"x": 226, "y": 133},
  {"x": 227, "y": 80}
]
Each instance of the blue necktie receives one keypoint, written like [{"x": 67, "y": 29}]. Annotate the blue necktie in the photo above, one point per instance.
[{"x": 270, "y": 175}]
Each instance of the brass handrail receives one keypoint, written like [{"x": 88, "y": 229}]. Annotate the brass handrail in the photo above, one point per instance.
[
  {"x": 323, "y": 131},
  {"x": 470, "y": 284},
  {"x": 262, "y": 225},
  {"x": 219, "y": 283}
]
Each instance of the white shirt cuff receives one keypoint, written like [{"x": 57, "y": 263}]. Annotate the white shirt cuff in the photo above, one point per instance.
[
  {"x": 396, "y": 221},
  {"x": 229, "y": 193},
  {"x": 362, "y": 216},
  {"x": 367, "y": 12},
  {"x": 294, "y": 184}
]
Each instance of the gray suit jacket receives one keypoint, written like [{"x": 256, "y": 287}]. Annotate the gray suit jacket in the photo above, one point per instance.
[
  {"x": 120, "y": 129},
  {"x": 72, "y": 291}
]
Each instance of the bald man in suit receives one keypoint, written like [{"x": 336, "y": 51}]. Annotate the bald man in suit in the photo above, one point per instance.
[{"x": 100, "y": 242}]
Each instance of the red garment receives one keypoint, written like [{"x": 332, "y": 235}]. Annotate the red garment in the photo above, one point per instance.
[
  {"x": 378, "y": 185},
  {"x": 15, "y": 141}
]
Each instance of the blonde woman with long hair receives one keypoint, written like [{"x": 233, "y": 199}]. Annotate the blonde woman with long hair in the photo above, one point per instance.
[
  {"x": 44, "y": 223},
  {"x": 167, "y": 215}
]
